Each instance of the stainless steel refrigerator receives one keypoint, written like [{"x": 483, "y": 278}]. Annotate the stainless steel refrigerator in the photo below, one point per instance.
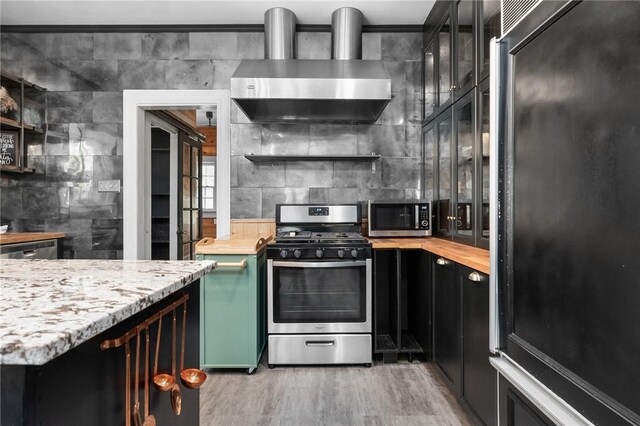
[{"x": 566, "y": 252}]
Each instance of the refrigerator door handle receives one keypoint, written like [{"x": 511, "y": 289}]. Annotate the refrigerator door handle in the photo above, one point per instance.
[{"x": 495, "y": 112}]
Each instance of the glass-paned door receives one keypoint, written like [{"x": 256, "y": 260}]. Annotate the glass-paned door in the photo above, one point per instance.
[
  {"x": 430, "y": 95},
  {"x": 443, "y": 193},
  {"x": 428, "y": 155},
  {"x": 464, "y": 123},
  {"x": 444, "y": 63},
  {"x": 465, "y": 46},
  {"x": 189, "y": 221}
]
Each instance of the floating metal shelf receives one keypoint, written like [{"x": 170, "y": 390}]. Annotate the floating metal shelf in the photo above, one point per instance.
[{"x": 274, "y": 158}]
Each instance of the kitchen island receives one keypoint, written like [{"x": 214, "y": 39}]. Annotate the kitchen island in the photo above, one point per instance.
[{"x": 63, "y": 329}]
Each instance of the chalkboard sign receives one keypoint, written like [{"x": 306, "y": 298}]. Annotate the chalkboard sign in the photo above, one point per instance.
[{"x": 10, "y": 149}]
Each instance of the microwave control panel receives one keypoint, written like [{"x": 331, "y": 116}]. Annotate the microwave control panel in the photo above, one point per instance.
[{"x": 424, "y": 216}]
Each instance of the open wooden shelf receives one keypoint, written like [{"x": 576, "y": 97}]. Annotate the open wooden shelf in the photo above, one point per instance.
[
  {"x": 10, "y": 79},
  {"x": 13, "y": 124},
  {"x": 7, "y": 122}
]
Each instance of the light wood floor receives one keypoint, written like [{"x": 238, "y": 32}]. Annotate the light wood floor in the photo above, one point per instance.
[{"x": 385, "y": 394}]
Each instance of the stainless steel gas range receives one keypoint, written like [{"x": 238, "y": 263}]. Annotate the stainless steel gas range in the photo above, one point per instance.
[{"x": 319, "y": 286}]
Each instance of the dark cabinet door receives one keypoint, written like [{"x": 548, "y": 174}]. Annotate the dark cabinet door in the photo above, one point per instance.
[
  {"x": 571, "y": 249},
  {"x": 517, "y": 410},
  {"x": 446, "y": 321},
  {"x": 479, "y": 384}
]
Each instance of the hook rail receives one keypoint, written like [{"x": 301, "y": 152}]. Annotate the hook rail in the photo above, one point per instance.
[{"x": 115, "y": 343}]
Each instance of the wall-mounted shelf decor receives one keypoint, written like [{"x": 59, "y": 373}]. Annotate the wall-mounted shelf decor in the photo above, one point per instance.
[{"x": 17, "y": 123}]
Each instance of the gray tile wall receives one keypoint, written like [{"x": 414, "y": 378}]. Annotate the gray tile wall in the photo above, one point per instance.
[{"x": 85, "y": 75}]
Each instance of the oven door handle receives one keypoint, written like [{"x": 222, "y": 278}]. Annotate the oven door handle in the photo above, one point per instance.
[{"x": 344, "y": 263}]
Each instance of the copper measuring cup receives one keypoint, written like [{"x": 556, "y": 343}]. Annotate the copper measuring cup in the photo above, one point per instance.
[
  {"x": 176, "y": 397},
  {"x": 149, "y": 420},
  {"x": 191, "y": 378},
  {"x": 162, "y": 382}
]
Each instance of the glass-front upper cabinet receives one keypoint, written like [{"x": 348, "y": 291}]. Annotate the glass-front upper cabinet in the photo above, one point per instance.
[
  {"x": 484, "y": 163},
  {"x": 489, "y": 11},
  {"x": 428, "y": 156},
  {"x": 438, "y": 63},
  {"x": 444, "y": 63},
  {"x": 464, "y": 127},
  {"x": 430, "y": 94},
  {"x": 443, "y": 207},
  {"x": 464, "y": 70}
]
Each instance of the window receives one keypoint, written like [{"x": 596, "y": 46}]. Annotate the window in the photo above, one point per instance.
[{"x": 209, "y": 184}]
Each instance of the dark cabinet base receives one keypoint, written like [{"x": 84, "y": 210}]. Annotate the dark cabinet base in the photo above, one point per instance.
[
  {"x": 461, "y": 337},
  {"x": 87, "y": 385},
  {"x": 479, "y": 385}
]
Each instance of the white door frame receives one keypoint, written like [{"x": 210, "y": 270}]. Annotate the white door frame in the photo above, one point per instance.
[{"x": 134, "y": 188}]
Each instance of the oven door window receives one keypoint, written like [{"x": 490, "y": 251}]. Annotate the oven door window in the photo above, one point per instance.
[
  {"x": 393, "y": 217},
  {"x": 319, "y": 292}
]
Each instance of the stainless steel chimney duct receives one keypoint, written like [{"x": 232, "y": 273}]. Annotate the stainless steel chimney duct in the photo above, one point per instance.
[
  {"x": 279, "y": 34},
  {"x": 346, "y": 33},
  {"x": 345, "y": 89}
]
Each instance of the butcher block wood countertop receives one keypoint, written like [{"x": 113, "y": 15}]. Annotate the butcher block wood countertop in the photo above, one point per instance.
[
  {"x": 473, "y": 257},
  {"x": 232, "y": 246},
  {"x": 25, "y": 237}
]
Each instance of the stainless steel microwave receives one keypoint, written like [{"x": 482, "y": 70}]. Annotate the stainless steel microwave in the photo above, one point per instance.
[{"x": 398, "y": 218}]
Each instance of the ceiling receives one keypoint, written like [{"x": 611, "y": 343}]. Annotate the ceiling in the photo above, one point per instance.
[{"x": 191, "y": 12}]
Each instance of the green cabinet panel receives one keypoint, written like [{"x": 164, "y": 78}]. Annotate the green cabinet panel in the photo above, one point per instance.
[{"x": 233, "y": 313}]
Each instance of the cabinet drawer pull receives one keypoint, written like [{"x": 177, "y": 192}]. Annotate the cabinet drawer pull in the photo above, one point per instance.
[
  {"x": 242, "y": 264},
  {"x": 441, "y": 261},
  {"x": 475, "y": 277}
]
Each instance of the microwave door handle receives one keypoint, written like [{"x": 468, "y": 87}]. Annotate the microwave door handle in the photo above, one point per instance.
[{"x": 416, "y": 217}]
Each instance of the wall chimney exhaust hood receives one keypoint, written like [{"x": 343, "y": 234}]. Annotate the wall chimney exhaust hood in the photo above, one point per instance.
[{"x": 282, "y": 89}]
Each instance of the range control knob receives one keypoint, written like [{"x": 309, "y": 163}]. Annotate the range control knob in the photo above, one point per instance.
[
  {"x": 284, "y": 253},
  {"x": 354, "y": 253},
  {"x": 340, "y": 253},
  {"x": 297, "y": 253},
  {"x": 424, "y": 223},
  {"x": 319, "y": 253}
]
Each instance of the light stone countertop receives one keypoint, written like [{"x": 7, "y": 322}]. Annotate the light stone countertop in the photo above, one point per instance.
[{"x": 51, "y": 306}]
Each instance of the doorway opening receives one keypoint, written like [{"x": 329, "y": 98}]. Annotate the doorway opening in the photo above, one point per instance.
[{"x": 138, "y": 214}]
